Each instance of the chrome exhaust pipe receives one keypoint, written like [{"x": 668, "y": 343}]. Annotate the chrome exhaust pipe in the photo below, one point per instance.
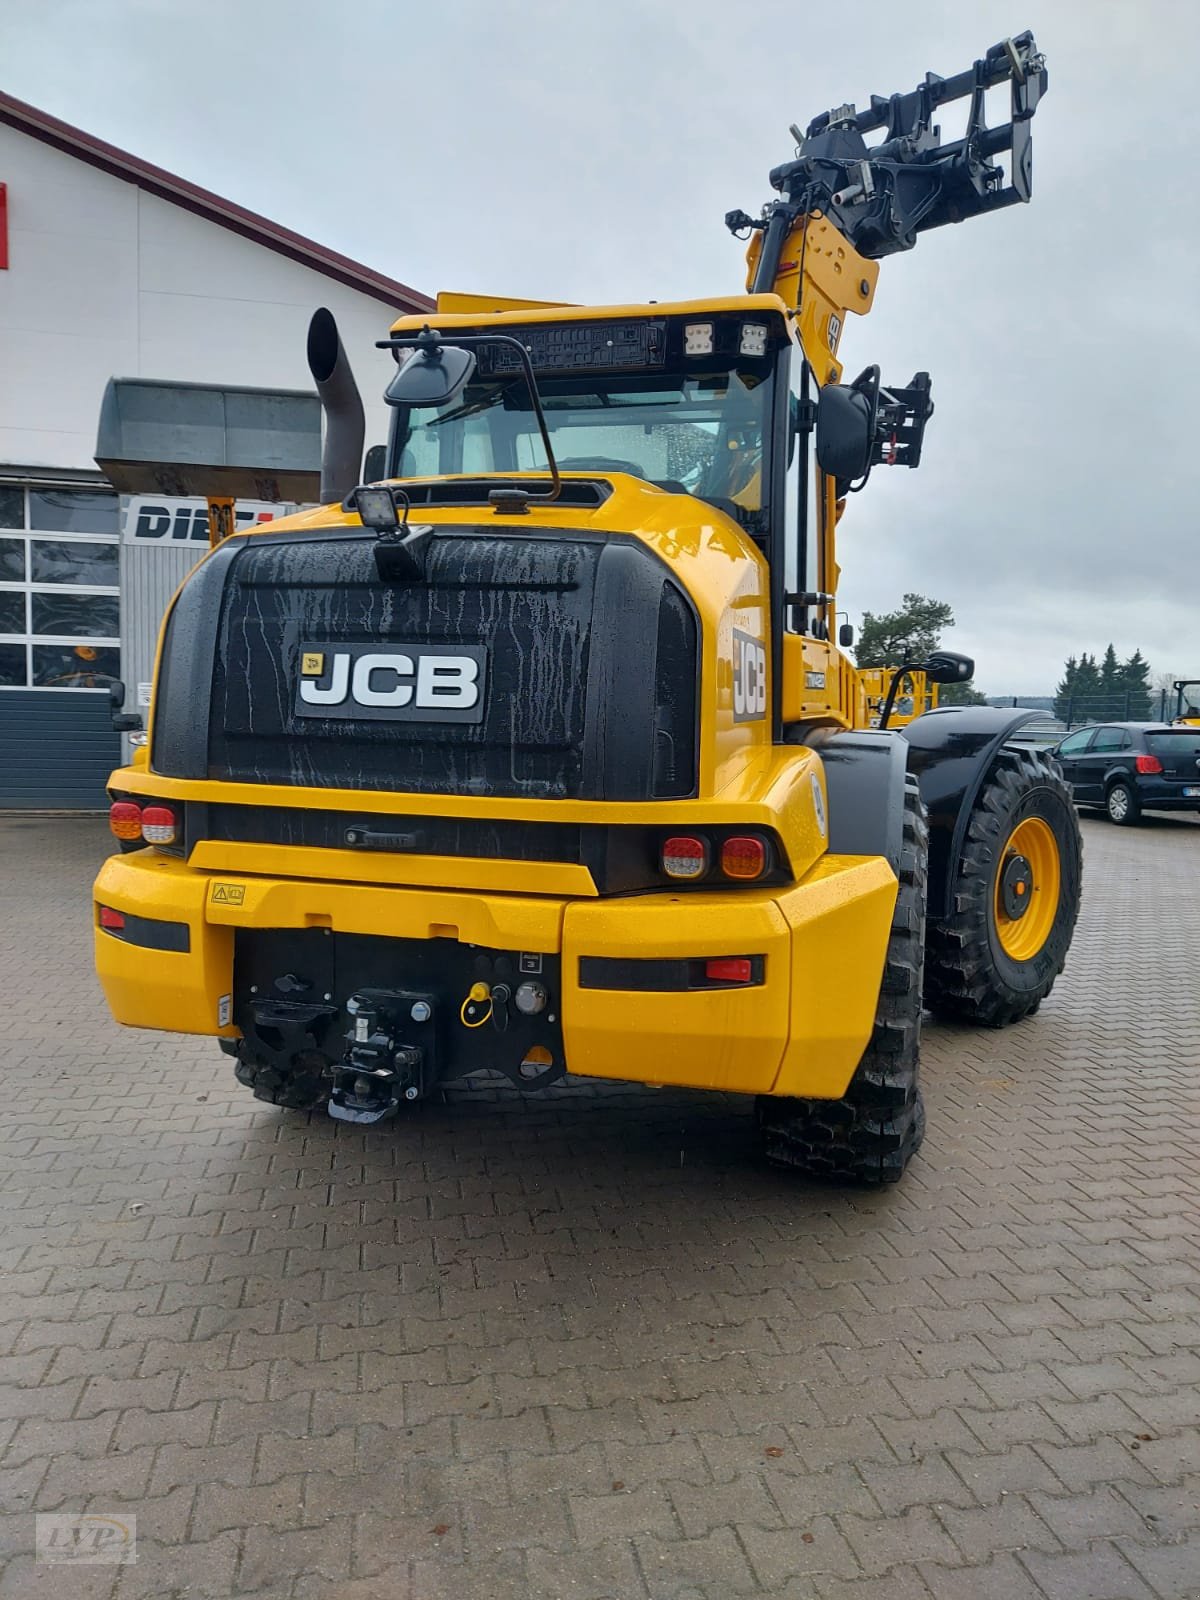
[{"x": 345, "y": 423}]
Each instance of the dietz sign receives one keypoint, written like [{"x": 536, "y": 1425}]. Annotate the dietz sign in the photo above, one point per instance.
[
  {"x": 396, "y": 683},
  {"x": 170, "y": 523}
]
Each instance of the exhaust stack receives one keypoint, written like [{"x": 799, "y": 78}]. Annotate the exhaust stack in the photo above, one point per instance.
[{"x": 345, "y": 424}]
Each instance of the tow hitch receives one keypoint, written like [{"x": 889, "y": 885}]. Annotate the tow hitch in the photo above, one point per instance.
[{"x": 389, "y": 1057}]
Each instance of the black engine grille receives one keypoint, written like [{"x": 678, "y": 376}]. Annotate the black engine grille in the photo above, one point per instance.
[{"x": 592, "y": 662}]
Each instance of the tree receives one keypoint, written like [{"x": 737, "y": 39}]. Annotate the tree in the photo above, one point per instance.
[
  {"x": 1087, "y": 688},
  {"x": 1089, "y": 693},
  {"x": 1112, "y": 701},
  {"x": 1135, "y": 684},
  {"x": 909, "y": 634},
  {"x": 1065, "y": 693}
]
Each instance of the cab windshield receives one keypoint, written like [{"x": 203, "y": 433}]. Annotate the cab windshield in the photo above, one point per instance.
[{"x": 696, "y": 433}]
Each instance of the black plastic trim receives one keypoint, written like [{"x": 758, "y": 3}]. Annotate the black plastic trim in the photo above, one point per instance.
[
  {"x": 183, "y": 692},
  {"x": 152, "y": 934},
  {"x": 950, "y": 753},
  {"x": 619, "y": 711},
  {"x": 623, "y": 858},
  {"x": 864, "y": 783},
  {"x": 389, "y": 832},
  {"x": 776, "y": 552},
  {"x": 589, "y": 493},
  {"x": 662, "y": 975}
]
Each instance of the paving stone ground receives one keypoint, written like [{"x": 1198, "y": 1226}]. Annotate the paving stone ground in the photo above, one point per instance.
[{"x": 583, "y": 1346}]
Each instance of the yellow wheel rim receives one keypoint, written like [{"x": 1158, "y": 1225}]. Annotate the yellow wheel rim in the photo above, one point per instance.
[{"x": 1026, "y": 894}]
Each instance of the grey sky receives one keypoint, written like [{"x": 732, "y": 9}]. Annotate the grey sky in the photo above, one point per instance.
[{"x": 589, "y": 152}]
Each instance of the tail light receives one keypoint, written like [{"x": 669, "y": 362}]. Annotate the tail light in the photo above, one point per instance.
[
  {"x": 729, "y": 969},
  {"x": 158, "y": 825},
  {"x": 743, "y": 856},
  {"x": 114, "y": 920},
  {"x": 685, "y": 857},
  {"x": 1148, "y": 764},
  {"x": 125, "y": 819}
]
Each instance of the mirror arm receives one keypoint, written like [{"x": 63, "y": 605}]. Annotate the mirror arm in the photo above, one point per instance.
[
  {"x": 888, "y": 705},
  {"x": 512, "y": 501}
]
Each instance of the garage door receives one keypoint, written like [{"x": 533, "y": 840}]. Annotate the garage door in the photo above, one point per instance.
[
  {"x": 57, "y": 749},
  {"x": 59, "y": 644}
]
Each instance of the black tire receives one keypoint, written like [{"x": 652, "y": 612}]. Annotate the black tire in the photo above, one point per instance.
[
  {"x": 301, "y": 1085},
  {"x": 1122, "y": 805},
  {"x": 870, "y": 1135},
  {"x": 968, "y": 974}
]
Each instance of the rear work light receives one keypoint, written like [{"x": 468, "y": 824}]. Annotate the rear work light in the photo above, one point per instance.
[
  {"x": 125, "y": 819},
  {"x": 158, "y": 825},
  {"x": 685, "y": 857},
  {"x": 112, "y": 919},
  {"x": 743, "y": 856},
  {"x": 1148, "y": 764}
]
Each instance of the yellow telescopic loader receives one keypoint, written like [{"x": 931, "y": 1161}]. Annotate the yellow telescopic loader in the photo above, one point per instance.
[{"x": 536, "y": 752}]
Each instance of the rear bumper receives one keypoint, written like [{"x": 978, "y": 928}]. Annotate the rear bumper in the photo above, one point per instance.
[
  {"x": 1158, "y": 796},
  {"x": 801, "y": 1031},
  {"x": 1153, "y": 795}
]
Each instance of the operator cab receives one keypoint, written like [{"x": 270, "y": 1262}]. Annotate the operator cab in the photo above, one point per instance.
[{"x": 686, "y": 398}]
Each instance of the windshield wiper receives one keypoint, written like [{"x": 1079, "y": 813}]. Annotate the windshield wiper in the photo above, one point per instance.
[{"x": 471, "y": 410}]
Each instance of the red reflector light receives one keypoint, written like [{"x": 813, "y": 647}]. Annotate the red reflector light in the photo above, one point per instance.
[
  {"x": 111, "y": 919},
  {"x": 125, "y": 819},
  {"x": 729, "y": 969},
  {"x": 158, "y": 825},
  {"x": 1148, "y": 764},
  {"x": 743, "y": 857},
  {"x": 685, "y": 857}
]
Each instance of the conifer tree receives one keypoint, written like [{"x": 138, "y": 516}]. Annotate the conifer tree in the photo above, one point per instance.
[
  {"x": 1135, "y": 686},
  {"x": 1112, "y": 699},
  {"x": 1064, "y": 694}
]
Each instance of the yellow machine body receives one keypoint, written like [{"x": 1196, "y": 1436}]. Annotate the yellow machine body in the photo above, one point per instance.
[
  {"x": 822, "y": 936},
  {"x": 1187, "y": 702},
  {"x": 915, "y": 695}
]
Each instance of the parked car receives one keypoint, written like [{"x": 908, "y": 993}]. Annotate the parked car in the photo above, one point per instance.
[{"x": 1131, "y": 767}]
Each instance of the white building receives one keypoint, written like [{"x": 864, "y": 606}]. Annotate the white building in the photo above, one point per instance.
[{"x": 110, "y": 267}]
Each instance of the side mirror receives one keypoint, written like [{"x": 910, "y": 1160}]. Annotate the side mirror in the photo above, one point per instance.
[
  {"x": 846, "y": 426},
  {"x": 947, "y": 666},
  {"x": 431, "y": 377},
  {"x": 123, "y": 721},
  {"x": 846, "y": 635},
  {"x": 375, "y": 465}
]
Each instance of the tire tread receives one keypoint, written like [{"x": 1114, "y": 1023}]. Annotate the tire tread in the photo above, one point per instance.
[
  {"x": 962, "y": 979},
  {"x": 869, "y": 1136}
]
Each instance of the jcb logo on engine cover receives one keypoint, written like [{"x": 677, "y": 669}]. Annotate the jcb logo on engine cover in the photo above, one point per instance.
[
  {"x": 749, "y": 678},
  {"x": 399, "y": 683}
]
